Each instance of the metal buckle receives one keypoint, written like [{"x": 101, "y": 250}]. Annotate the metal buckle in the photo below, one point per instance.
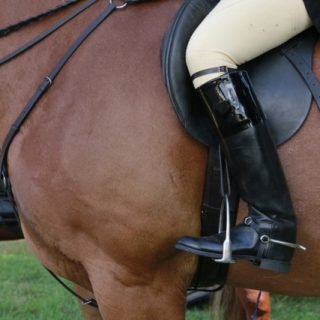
[
  {"x": 222, "y": 69},
  {"x": 49, "y": 80},
  {"x": 121, "y": 6}
]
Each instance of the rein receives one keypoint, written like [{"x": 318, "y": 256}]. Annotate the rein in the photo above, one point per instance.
[
  {"x": 46, "y": 33},
  {"x": 48, "y": 81},
  {"x": 15, "y": 27}
]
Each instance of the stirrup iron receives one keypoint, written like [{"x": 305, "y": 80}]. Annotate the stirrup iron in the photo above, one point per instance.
[
  {"x": 225, "y": 207},
  {"x": 227, "y": 250}
]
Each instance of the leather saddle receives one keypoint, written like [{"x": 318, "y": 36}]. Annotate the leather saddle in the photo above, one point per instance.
[
  {"x": 281, "y": 90},
  {"x": 284, "y": 84}
]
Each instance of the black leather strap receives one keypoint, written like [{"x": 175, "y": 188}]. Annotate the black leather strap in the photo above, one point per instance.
[
  {"x": 47, "y": 32},
  {"x": 84, "y": 301},
  {"x": 223, "y": 69},
  {"x": 48, "y": 80},
  {"x": 42, "y": 88},
  {"x": 17, "y": 26},
  {"x": 305, "y": 71}
]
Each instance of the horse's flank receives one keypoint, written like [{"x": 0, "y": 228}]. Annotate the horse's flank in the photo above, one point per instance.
[{"x": 105, "y": 177}]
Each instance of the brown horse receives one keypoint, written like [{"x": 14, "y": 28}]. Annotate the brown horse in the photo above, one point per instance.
[{"x": 106, "y": 179}]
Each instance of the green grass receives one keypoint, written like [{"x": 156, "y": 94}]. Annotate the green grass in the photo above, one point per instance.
[
  {"x": 295, "y": 308},
  {"x": 198, "y": 313},
  {"x": 28, "y": 292}
]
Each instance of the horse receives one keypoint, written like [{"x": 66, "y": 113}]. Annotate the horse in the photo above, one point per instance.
[{"x": 105, "y": 178}]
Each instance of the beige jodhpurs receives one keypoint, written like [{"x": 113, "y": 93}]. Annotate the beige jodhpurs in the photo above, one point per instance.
[{"x": 236, "y": 31}]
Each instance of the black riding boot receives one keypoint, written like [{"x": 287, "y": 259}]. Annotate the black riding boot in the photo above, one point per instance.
[{"x": 267, "y": 235}]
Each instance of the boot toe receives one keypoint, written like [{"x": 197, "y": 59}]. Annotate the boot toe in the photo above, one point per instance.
[
  {"x": 243, "y": 241},
  {"x": 208, "y": 244}
]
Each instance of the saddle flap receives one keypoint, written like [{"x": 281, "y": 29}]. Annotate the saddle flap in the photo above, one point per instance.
[
  {"x": 283, "y": 93},
  {"x": 176, "y": 76}
]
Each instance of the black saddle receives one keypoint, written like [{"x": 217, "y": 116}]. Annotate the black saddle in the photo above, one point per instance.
[
  {"x": 277, "y": 82},
  {"x": 283, "y": 81}
]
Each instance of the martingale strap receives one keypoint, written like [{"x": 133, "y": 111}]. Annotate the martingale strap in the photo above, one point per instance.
[
  {"x": 47, "y": 82},
  {"x": 45, "y": 85}
]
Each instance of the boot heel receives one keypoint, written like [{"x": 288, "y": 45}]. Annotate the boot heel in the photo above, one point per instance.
[{"x": 275, "y": 265}]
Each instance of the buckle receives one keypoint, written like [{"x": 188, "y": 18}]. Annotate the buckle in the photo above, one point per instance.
[{"x": 120, "y": 6}]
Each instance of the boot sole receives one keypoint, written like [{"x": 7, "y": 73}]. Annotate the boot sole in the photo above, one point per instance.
[{"x": 268, "y": 264}]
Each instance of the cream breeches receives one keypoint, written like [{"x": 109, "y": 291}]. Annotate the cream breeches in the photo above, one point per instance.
[{"x": 236, "y": 31}]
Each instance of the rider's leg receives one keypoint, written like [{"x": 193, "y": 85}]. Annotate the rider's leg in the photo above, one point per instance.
[{"x": 237, "y": 31}]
